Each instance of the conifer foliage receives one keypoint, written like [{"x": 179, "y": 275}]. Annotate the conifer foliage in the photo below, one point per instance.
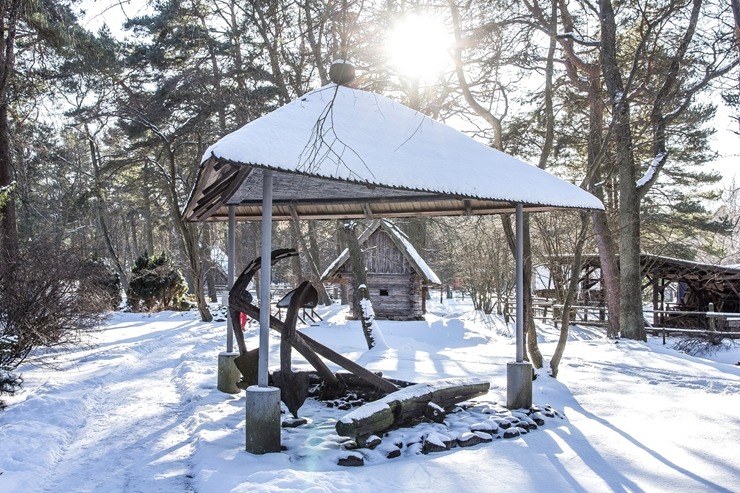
[{"x": 156, "y": 285}]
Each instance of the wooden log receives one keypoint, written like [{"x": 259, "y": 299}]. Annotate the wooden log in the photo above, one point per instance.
[
  {"x": 293, "y": 387},
  {"x": 408, "y": 404}
]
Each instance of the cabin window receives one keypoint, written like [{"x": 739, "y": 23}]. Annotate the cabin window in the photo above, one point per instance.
[{"x": 383, "y": 292}]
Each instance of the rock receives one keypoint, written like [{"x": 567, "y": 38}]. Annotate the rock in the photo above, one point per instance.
[
  {"x": 294, "y": 422},
  {"x": 350, "y": 445},
  {"x": 352, "y": 460},
  {"x": 484, "y": 437},
  {"x": 538, "y": 418},
  {"x": 393, "y": 453},
  {"x": 436, "y": 442},
  {"x": 434, "y": 413},
  {"x": 370, "y": 442},
  {"x": 468, "y": 439},
  {"x": 488, "y": 426},
  {"x": 512, "y": 432}
]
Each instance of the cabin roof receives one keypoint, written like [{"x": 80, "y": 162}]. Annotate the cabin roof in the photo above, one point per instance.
[{"x": 399, "y": 239}]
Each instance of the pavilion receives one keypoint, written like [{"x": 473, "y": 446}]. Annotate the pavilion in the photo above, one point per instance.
[{"x": 343, "y": 153}]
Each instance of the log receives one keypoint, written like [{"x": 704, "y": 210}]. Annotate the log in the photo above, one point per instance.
[{"x": 407, "y": 405}]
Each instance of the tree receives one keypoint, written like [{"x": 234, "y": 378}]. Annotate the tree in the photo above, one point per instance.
[
  {"x": 651, "y": 70},
  {"x": 155, "y": 285}
]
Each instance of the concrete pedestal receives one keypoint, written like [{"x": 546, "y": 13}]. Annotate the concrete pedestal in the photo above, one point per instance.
[
  {"x": 228, "y": 373},
  {"x": 519, "y": 385},
  {"x": 263, "y": 419}
]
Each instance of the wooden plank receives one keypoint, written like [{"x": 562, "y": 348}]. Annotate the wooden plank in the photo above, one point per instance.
[{"x": 406, "y": 405}]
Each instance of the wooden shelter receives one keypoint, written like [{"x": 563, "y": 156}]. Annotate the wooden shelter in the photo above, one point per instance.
[
  {"x": 340, "y": 152},
  {"x": 397, "y": 276},
  {"x": 695, "y": 288}
]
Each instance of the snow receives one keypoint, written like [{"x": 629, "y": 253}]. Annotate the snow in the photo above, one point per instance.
[
  {"x": 140, "y": 412},
  {"x": 401, "y": 236},
  {"x": 651, "y": 169},
  {"x": 342, "y": 133}
]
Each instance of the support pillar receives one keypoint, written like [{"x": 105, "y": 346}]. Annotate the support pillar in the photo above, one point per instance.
[
  {"x": 519, "y": 373},
  {"x": 519, "y": 385},
  {"x": 228, "y": 373},
  {"x": 263, "y": 402},
  {"x": 263, "y": 419}
]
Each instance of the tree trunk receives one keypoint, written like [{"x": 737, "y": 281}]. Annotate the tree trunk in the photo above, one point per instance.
[
  {"x": 189, "y": 236},
  {"x": 99, "y": 208},
  {"x": 8, "y": 231},
  {"x": 630, "y": 310},
  {"x": 148, "y": 223},
  {"x": 314, "y": 256},
  {"x": 569, "y": 296},
  {"x": 359, "y": 280},
  {"x": 609, "y": 270}
]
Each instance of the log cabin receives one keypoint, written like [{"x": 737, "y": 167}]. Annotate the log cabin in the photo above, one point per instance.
[{"x": 398, "y": 278}]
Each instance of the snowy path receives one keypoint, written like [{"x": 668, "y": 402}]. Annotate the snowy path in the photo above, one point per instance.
[
  {"x": 140, "y": 413},
  {"x": 122, "y": 412}
]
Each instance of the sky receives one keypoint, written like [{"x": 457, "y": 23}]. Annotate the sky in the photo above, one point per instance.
[{"x": 139, "y": 411}]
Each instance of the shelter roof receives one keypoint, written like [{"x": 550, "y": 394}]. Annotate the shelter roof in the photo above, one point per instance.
[
  {"x": 339, "y": 152},
  {"x": 672, "y": 269}
]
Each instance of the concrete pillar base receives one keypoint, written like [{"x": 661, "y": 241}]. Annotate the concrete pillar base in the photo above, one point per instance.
[
  {"x": 519, "y": 385},
  {"x": 263, "y": 419},
  {"x": 228, "y": 373}
]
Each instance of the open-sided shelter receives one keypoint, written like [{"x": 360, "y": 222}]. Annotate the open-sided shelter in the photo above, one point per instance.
[
  {"x": 340, "y": 152},
  {"x": 398, "y": 278}
]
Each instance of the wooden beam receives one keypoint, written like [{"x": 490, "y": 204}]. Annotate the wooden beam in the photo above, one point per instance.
[
  {"x": 367, "y": 211},
  {"x": 467, "y": 203}
]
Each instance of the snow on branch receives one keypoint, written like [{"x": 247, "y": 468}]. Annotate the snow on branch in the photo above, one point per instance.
[
  {"x": 577, "y": 39},
  {"x": 652, "y": 169}
]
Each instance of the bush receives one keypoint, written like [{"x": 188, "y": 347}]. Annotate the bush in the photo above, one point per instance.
[
  {"x": 49, "y": 298},
  {"x": 103, "y": 278},
  {"x": 156, "y": 285}
]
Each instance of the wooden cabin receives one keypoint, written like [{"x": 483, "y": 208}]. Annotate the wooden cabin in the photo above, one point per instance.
[{"x": 397, "y": 277}]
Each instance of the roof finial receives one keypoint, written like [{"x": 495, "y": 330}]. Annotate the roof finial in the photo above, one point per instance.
[{"x": 341, "y": 72}]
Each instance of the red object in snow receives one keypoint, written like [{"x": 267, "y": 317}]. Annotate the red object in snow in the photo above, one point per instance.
[{"x": 243, "y": 319}]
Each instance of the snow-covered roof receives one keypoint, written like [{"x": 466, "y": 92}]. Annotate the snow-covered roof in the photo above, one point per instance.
[
  {"x": 344, "y": 152},
  {"x": 400, "y": 240}
]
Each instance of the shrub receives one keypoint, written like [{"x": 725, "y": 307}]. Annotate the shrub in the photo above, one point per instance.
[
  {"x": 49, "y": 298},
  {"x": 156, "y": 285}
]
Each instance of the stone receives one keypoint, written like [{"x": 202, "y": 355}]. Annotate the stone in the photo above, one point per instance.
[
  {"x": 484, "y": 437},
  {"x": 519, "y": 385},
  {"x": 228, "y": 373},
  {"x": 512, "y": 432},
  {"x": 262, "y": 424},
  {"x": 294, "y": 422},
  {"x": 437, "y": 442},
  {"x": 468, "y": 439},
  {"x": 352, "y": 460},
  {"x": 370, "y": 442},
  {"x": 392, "y": 454},
  {"x": 488, "y": 426},
  {"x": 538, "y": 418},
  {"x": 434, "y": 413}
]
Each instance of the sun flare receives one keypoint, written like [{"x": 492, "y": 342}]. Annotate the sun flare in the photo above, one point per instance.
[{"x": 418, "y": 46}]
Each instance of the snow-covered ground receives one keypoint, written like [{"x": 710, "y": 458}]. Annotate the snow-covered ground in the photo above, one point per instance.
[{"x": 140, "y": 412}]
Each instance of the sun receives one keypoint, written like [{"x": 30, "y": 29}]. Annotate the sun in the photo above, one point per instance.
[{"x": 418, "y": 46}]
